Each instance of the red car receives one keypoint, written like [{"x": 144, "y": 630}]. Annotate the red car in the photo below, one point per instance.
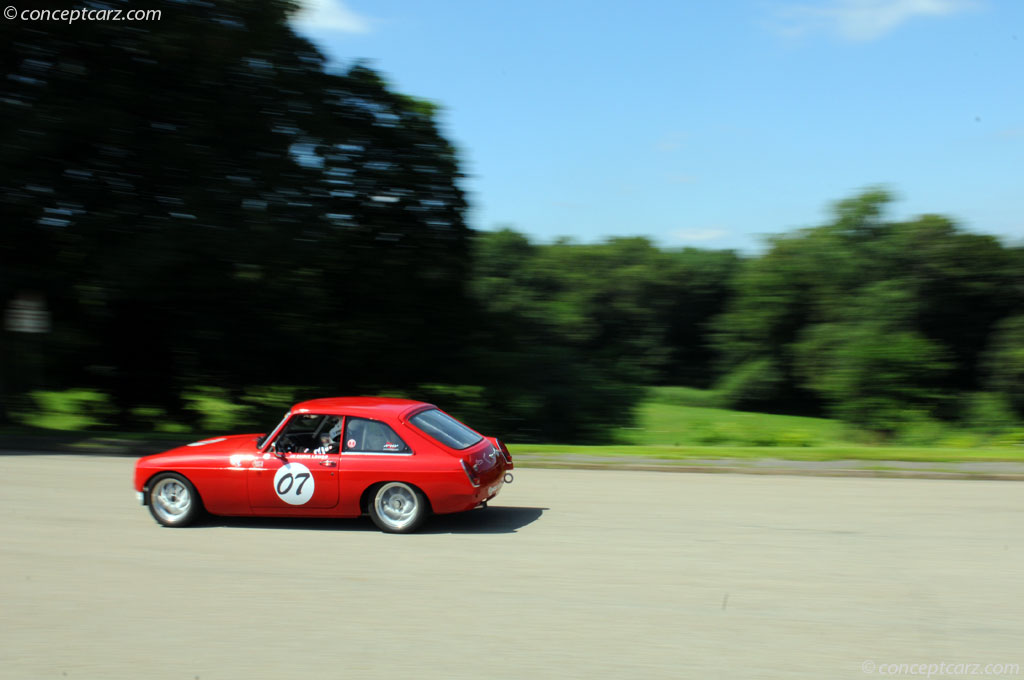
[{"x": 394, "y": 459}]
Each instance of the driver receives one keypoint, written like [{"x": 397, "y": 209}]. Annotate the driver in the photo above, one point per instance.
[{"x": 329, "y": 440}]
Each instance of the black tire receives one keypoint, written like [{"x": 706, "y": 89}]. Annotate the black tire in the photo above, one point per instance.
[
  {"x": 398, "y": 508},
  {"x": 173, "y": 501}
]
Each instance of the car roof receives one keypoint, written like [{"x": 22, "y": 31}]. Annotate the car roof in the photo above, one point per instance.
[{"x": 359, "y": 406}]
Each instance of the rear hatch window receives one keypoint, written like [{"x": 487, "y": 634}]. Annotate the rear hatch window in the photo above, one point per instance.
[{"x": 445, "y": 429}]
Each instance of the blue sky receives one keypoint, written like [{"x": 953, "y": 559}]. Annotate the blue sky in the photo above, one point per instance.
[{"x": 708, "y": 124}]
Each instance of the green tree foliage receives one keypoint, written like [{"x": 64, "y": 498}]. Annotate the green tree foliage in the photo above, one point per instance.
[
  {"x": 991, "y": 413},
  {"x": 872, "y": 375},
  {"x": 872, "y": 320},
  {"x": 580, "y": 327},
  {"x": 1004, "y": 362},
  {"x": 203, "y": 204},
  {"x": 200, "y": 202}
]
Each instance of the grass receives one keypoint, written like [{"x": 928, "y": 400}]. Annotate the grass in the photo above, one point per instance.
[
  {"x": 80, "y": 410},
  {"x": 679, "y": 423},
  {"x": 673, "y": 424},
  {"x": 822, "y": 453},
  {"x": 683, "y": 396},
  {"x": 662, "y": 424}
]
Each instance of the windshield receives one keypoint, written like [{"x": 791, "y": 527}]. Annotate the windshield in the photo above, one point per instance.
[
  {"x": 445, "y": 429},
  {"x": 261, "y": 440}
]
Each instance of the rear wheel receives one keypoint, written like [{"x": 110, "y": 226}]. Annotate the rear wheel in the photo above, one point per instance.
[
  {"x": 173, "y": 500},
  {"x": 398, "y": 508}
]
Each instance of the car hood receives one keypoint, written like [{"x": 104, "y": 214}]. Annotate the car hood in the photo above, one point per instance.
[{"x": 212, "y": 450}]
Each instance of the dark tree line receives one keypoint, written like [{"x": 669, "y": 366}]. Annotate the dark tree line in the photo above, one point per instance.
[
  {"x": 572, "y": 332},
  {"x": 201, "y": 202},
  {"x": 880, "y": 323}
]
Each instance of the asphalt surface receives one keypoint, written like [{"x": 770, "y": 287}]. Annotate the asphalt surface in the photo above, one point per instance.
[{"x": 569, "y": 574}]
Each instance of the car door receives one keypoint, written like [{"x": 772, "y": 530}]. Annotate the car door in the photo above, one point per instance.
[{"x": 295, "y": 481}]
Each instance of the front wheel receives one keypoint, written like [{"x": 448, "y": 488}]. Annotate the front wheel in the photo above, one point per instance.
[
  {"x": 173, "y": 500},
  {"x": 398, "y": 508}
]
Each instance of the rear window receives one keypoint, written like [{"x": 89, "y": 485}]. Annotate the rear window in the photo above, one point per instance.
[
  {"x": 372, "y": 436},
  {"x": 445, "y": 429}
]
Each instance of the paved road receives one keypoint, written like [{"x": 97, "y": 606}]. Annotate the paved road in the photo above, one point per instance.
[{"x": 573, "y": 574}]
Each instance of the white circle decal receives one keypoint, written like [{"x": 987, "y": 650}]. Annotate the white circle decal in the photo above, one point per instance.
[{"x": 294, "y": 484}]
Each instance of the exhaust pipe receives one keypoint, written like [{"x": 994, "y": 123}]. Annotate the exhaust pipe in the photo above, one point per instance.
[{"x": 508, "y": 477}]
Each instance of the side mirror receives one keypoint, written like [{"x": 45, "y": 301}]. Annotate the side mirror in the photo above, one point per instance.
[{"x": 277, "y": 454}]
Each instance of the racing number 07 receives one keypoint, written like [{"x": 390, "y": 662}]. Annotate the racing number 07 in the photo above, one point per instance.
[{"x": 290, "y": 478}]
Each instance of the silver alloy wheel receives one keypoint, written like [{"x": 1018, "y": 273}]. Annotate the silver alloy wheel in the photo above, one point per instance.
[
  {"x": 171, "y": 500},
  {"x": 397, "y": 505}
]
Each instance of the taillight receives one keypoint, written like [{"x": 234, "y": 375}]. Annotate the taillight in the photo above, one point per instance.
[
  {"x": 504, "y": 451},
  {"x": 473, "y": 479}
]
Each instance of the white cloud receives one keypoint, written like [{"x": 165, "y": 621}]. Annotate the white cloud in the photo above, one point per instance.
[
  {"x": 330, "y": 15},
  {"x": 697, "y": 235},
  {"x": 862, "y": 20}
]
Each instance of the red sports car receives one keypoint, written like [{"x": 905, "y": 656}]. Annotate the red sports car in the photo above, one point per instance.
[{"x": 394, "y": 459}]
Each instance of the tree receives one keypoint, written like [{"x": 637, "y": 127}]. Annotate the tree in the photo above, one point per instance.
[
  {"x": 863, "y": 317},
  {"x": 201, "y": 202},
  {"x": 1004, "y": 361},
  {"x": 572, "y": 332},
  {"x": 536, "y": 327},
  {"x": 873, "y": 376}
]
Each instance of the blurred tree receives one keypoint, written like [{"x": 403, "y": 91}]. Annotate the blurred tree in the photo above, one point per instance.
[
  {"x": 584, "y": 326},
  {"x": 531, "y": 345},
  {"x": 200, "y": 202},
  {"x": 399, "y": 274},
  {"x": 1004, "y": 361},
  {"x": 872, "y": 375},
  {"x": 963, "y": 283},
  {"x": 865, "y": 317},
  {"x": 699, "y": 287}
]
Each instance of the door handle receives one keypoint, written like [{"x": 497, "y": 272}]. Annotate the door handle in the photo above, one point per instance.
[{"x": 329, "y": 463}]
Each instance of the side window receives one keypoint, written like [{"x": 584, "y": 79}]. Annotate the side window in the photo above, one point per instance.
[
  {"x": 308, "y": 432},
  {"x": 328, "y": 435},
  {"x": 371, "y": 436},
  {"x": 299, "y": 433}
]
